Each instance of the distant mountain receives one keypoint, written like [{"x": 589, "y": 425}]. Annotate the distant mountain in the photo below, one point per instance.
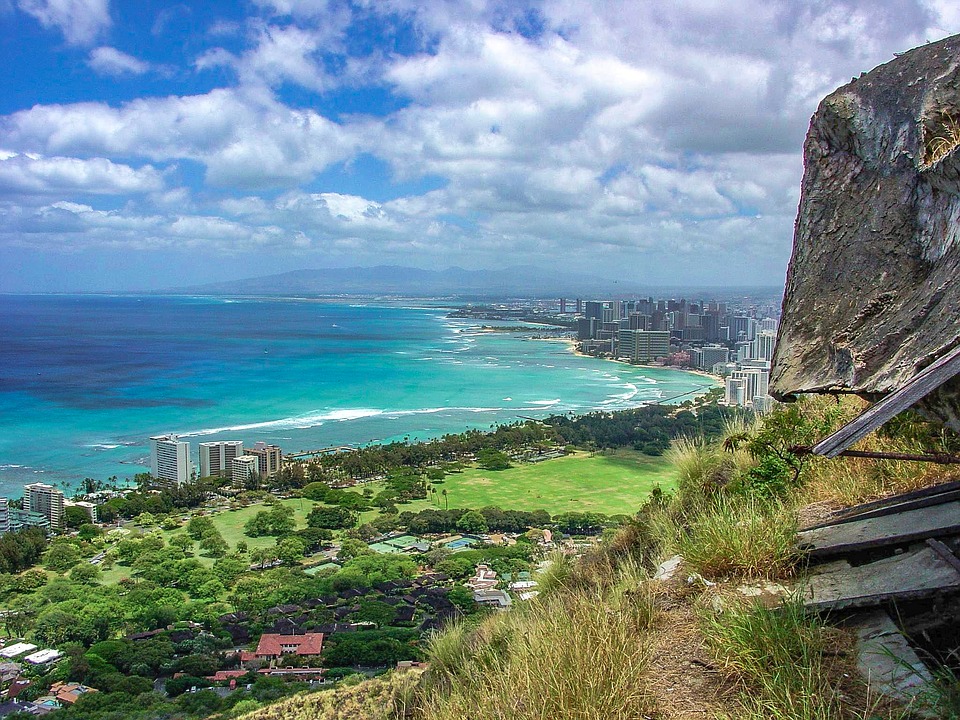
[{"x": 522, "y": 281}]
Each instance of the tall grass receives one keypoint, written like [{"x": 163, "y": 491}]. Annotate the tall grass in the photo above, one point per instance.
[
  {"x": 742, "y": 538},
  {"x": 784, "y": 660},
  {"x": 578, "y": 654}
]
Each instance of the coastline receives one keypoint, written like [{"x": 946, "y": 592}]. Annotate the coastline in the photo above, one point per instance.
[{"x": 572, "y": 345}]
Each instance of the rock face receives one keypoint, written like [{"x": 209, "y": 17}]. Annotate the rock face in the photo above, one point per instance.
[{"x": 873, "y": 291}]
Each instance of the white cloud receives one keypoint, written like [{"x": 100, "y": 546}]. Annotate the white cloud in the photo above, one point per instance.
[
  {"x": 35, "y": 174},
  {"x": 243, "y": 139},
  {"x": 80, "y": 21},
  {"x": 110, "y": 61}
]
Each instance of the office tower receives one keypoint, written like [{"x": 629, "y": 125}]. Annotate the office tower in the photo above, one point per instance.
[
  {"x": 243, "y": 468},
  {"x": 563, "y": 306},
  {"x": 215, "y": 457},
  {"x": 44, "y": 500},
  {"x": 170, "y": 460},
  {"x": 268, "y": 458},
  {"x": 579, "y": 306}
]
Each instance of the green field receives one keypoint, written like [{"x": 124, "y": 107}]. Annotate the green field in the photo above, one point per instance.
[{"x": 616, "y": 483}]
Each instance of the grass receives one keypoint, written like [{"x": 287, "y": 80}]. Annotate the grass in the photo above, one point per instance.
[
  {"x": 788, "y": 664},
  {"x": 615, "y": 483},
  {"x": 733, "y": 538},
  {"x": 580, "y": 654}
]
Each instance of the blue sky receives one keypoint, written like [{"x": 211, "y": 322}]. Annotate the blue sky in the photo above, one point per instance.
[{"x": 152, "y": 144}]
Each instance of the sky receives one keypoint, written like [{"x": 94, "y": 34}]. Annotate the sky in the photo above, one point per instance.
[{"x": 148, "y": 144}]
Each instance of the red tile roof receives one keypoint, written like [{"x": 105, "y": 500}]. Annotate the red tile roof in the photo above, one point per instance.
[{"x": 273, "y": 645}]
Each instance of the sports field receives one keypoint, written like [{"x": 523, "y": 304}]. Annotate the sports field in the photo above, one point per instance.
[{"x": 611, "y": 484}]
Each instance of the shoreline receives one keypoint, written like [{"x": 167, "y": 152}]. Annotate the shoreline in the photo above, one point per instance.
[{"x": 572, "y": 345}]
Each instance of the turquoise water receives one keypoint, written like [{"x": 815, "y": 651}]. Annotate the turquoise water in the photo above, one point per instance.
[{"x": 86, "y": 380}]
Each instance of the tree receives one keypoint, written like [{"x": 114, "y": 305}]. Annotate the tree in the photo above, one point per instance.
[
  {"x": 75, "y": 516},
  {"x": 61, "y": 556},
  {"x": 85, "y": 574},
  {"x": 490, "y": 459},
  {"x": 184, "y": 542},
  {"x": 214, "y": 544},
  {"x": 472, "y": 522},
  {"x": 331, "y": 518},
  {"x": 290, "y": 550},
  {"x": 198, "y": 525}
]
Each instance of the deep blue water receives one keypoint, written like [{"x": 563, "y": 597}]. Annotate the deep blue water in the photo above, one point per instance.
[{"x": 85, "y": 380}]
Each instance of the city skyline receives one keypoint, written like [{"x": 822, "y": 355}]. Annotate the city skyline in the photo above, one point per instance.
[{"x": 158, "y": 144}]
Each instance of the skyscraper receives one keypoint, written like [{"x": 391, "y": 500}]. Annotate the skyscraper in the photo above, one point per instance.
[
  {"x": 45, "y": 500},
  {"x": 170, "y": 459}
]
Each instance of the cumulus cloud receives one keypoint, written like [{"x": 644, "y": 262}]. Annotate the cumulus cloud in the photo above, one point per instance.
[
  {"x": 110, "y": 61},
  {"x": 615, "y": 134},
  {"x": 80, "y": 21},
  {"x": 244, "y": 140},
  {"x": 32, "y": 173}
]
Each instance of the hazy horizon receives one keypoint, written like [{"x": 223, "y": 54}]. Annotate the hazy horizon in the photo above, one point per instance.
[{"x": 157, "y": 144}]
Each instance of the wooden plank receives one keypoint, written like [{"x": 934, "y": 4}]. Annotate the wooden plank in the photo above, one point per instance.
[
  {"x": 923, "y": 383},
  {"x": 881, "y": 510},
  {"x": 946, "y": 553},
  {"x": 883, "y": 531},
  {"x": 912, "y": 575}
]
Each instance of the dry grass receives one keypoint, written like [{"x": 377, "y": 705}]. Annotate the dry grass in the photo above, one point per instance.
[
  {"x": 580, "y": 654},
  {"x": 378, "y": 699},
  {"x": 944, "y": 142}
]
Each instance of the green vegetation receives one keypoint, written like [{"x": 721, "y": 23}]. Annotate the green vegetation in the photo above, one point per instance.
[{"x": 609, "y": 483}]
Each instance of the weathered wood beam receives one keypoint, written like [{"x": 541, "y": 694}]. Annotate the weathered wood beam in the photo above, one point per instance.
[
  {"x": 940, "y": 458},
  {"x": 922, "y": 384}
]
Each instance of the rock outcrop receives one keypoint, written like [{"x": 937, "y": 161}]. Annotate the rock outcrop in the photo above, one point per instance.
[{"x": 873, "y": 292}]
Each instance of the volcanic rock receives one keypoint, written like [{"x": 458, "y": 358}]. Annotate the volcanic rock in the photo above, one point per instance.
[{"x": 873, "y": 293}]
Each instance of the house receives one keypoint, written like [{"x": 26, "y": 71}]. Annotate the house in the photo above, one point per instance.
[
  {"x": 484, "y": 579},
  {"x": 273, "y": 646},
  {"x": 69, "y": 693},
  {"x": 493, "y": 598}
]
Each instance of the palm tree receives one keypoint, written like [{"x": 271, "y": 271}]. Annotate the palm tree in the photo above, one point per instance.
[{"x": 446, "y": 500}]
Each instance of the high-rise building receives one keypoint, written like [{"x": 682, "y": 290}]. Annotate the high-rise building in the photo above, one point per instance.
[
  {"x": 593, "y": 309},
  {"x": 734, "y": 391},
  {"x": 170, "y": 460},
  {"x": 215, "y": 457},
  {"x": 763, "y": 345},
  {"x": 4, "y": 515},
  {"x": 709, "y": 355},
  {"x": 643, "y": 345},
  {"x": 243, "y": 468},
  {"x": 45, "y": 500},
  {"x": 268, "y": 458}
]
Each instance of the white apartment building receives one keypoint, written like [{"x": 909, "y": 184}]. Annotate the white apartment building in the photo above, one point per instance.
[
  {"x": 216, "y": 458},
  {"x": 243, "y": 468},
  {"x": 170, "y": 459},
  {"x": 643, "y": 345},
  {"x": 45, "y": 500},
  {"x": 4, "y": 515}
]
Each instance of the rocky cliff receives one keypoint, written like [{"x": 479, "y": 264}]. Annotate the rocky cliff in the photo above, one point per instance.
[{"x": 873, "y": 294}]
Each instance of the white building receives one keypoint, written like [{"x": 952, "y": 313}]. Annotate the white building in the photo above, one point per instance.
[
  {"x": 170, "y": 460},
  {"x": 45, "y": 500},
  {"x": 216, "y": 458},
  {"x": 735, "y": 392},
  {"x": 643, "y": 345},
  {"x": 763, "y": 345},
  {"x": 4, "y": 515},
  {"x": 244, "y": 467}
]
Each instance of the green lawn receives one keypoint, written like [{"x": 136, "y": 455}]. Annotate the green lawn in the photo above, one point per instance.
[{"x": 611, "y": 484}]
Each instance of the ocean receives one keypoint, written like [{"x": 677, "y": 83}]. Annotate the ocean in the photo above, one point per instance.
[{"x": 85, "y": 380}]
